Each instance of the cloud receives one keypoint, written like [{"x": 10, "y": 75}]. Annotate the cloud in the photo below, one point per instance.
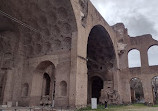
[
  {"x": 139, "y": 16},
  {"x": 139, "y": 24}
]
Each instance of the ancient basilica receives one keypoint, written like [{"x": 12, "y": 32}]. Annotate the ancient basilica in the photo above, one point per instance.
[{"x": 63, "y": 53}]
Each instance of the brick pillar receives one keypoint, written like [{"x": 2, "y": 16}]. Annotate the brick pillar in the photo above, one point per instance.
[
  {"x": 147, "y": 89},
  {"x": 144, "y": 61},
  {"x": 8, "y": 87}
]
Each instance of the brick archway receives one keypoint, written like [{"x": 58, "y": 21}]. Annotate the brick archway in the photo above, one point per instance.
[
  {"x": 101, "y": 58},
  {"x": 43, "y": 84}
]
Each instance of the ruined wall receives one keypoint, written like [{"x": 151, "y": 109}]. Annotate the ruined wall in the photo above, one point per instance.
[
  {"x": 11, "y": 58},
  {"x": 93, "y": 19},
  {"x": 44, "y": 29},
  {"x": 145, "y": 73},
  {"x": 57, "y": 31}
]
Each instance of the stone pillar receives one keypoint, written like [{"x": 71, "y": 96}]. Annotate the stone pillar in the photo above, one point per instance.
[
  {"x": 147, "y": 89},
  {"x": 18, "y": 72},
  {"x": 126, "y": 92},
  {"x": 81, "y": 74},
  {"x": 73, "y": 72},
  {"x": 117, "y": 83},
  {"x": 81, "y": 83},
  {"x": 144, "y": 61},
  {"x": 36, "y": 89},
  {"x": 17, "y": 85},
  {"x": 8, "y": 87}
]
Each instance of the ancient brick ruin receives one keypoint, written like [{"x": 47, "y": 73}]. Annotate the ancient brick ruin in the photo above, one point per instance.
[{"x": 63, "y": 50}]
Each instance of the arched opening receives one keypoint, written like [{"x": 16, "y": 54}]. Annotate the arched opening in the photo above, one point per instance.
[
  {"x": 25, "y": 90},
  {"x": 63, "y": 88},
  {"x": 46, "y": 84},
  {"x": 137, "y": 94},
  {"x": 155, "y": 89},
  {"x": 134, "y": 58},
  {"x": 100, "y": 61},
  {"x": 97, "y": 86},
  {"x": 153, "y": 55},
  {"x": 43, "y": 84}
]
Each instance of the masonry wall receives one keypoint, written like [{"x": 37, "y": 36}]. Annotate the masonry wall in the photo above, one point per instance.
[
  {"x": 93, "y": 19},
  {"x": 61, "y": 40},
  {"x": 145, "y": 73}
]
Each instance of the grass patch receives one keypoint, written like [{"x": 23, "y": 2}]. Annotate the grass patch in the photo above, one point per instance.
[{"x": 156, "y": 105}]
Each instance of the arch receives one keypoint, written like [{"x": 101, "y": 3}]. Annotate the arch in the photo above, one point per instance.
[
  {"x": 43, "y": 65},
  {"x": 97, "y": 75},
  {"x": 154, "y": 83},
  {"x": 101, "y": 58},
  {"x": 25, "y": 89},
  {"x": 134, "y": 59},
  {"x": 97, "y": 86},
  {"x": 43, "y": 89},
  {"x": 63, "y": 88},
  {"x": 137, "y": 94},
  {"x": 46, "y": 84},
  {"x": 153, "y": 55},
  {"x": 100, "y": 50}
]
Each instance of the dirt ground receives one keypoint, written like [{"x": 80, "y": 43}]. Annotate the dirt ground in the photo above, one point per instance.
[{"x": 135, "y": 107}]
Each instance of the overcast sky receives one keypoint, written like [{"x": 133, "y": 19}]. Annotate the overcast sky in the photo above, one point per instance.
[{"x": 139, "y": 16}]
